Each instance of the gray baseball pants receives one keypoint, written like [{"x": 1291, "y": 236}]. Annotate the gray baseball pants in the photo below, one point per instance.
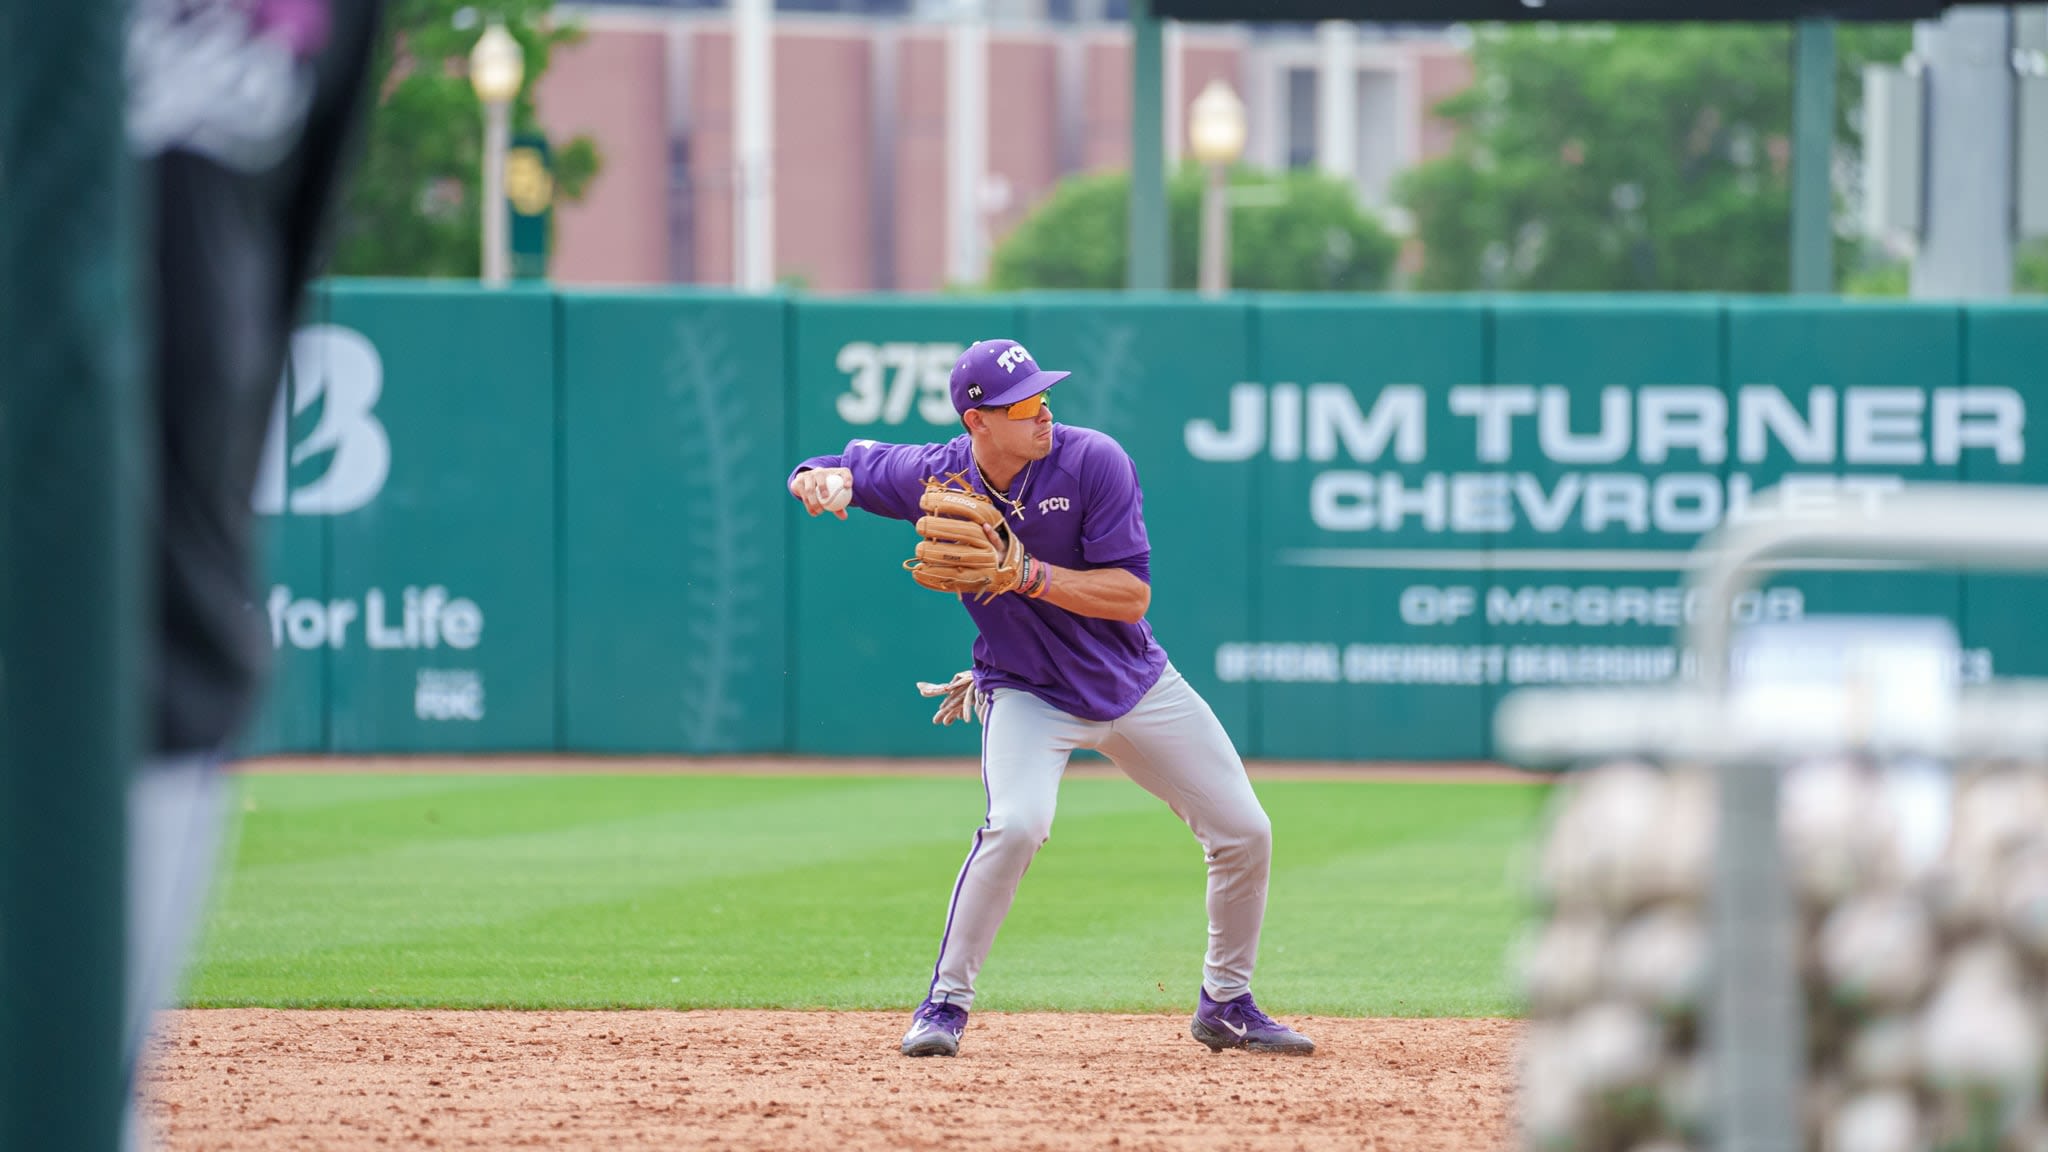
[{"x": 1170, "y": 744}]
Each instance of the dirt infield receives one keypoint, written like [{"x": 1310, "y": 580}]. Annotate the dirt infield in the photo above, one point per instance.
[{"x": 616, "y": 1081}]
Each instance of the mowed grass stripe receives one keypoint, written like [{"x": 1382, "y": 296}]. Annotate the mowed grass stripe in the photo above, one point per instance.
[
  {"x": 321, "y": 819},
  {"x": 409, "y": 940},
  {"x": 411, "y": 888},
  {"x": 830, "y": 893}
]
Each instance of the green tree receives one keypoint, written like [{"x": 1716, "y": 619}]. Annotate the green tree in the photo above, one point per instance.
[
  {"x": 1303, "y": 232},
  {"x": 1639, "y": 157},
  {"x": 2030, "y": 269},
  {"x": 413, "y": 204}
]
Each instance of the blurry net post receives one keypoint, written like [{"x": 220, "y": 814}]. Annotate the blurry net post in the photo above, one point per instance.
[
  {"x": 1757, "y": 1054},
  {"x": 72, "y": 463},
  {"x": 1813, "y": 147},
  {"x": 1147, "y": 271}
]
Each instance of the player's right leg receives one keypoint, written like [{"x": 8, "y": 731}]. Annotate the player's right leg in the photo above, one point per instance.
[
  {"x": 1173, "y": 746},
  {"x": 178, "y": 821},
  {"x": 1025, "y": 744}
]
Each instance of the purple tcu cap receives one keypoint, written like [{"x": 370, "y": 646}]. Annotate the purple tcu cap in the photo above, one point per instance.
[{"x": 993, "y": 372}]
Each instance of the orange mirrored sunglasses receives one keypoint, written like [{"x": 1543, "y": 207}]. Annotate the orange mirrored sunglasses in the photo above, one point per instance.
[{"x": 1027, "y": 408}]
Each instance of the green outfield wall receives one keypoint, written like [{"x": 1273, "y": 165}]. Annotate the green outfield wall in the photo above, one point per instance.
[{"x": 534, "y": 521}]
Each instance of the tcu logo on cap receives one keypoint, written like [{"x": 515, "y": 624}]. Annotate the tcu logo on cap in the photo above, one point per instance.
[{"x": 1013, "y": 356}]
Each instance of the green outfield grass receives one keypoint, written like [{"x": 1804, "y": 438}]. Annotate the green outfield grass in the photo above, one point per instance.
[{"x": 829, "y": 892}]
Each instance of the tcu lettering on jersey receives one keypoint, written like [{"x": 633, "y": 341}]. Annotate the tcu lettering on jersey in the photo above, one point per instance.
[{"x": 1052, "y": 504}]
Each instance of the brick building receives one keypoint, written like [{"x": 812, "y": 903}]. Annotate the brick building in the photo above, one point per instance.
[{"x": 859, "y": 126}]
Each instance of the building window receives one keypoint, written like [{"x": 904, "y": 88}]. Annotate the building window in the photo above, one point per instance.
[{"x": 1301, "y": 118}]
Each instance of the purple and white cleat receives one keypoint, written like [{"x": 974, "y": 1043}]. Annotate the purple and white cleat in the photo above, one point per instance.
[
  {"x": 1239, "y": 1024},
  {"x": 935, "y": 1030}
]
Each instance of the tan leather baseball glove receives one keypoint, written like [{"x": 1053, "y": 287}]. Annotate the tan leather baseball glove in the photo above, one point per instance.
[{"x": 956, "y": 554}]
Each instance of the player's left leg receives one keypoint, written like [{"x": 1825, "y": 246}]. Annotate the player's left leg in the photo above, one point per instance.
[{"x": 1173, "y": 746}]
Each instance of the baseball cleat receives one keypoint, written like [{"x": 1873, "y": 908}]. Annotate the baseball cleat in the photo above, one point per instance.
[
  {"x": 935, "y": 1030},
  {"x": 1239, "y": 1024}
]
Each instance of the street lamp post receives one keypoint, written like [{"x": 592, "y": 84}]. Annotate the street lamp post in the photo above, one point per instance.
[
  {"x": 496, "y": 67},
  {"x": 1216, "y": 131}
]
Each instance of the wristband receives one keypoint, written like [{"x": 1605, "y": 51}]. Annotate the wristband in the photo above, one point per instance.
[{"x": 1037, "y": 578}]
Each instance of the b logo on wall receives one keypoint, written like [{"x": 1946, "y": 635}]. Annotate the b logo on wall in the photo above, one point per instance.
[{"x": 337, "y": 371}]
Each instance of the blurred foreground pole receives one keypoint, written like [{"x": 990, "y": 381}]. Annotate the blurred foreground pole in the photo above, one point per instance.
[
  {"x": 1147, "y": 271},
  {"x": 1813, "y": 148},
  {"x": 72, "y": 462},
  {"x": 1966, "y": 250},
  {"x": 753, "y": 96}
]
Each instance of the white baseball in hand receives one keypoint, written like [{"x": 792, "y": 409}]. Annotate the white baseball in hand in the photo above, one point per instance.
[{"x": 837, "y": 494}]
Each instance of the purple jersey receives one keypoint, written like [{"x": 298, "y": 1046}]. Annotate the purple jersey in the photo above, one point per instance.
[{"x": 1080, "y": 508}]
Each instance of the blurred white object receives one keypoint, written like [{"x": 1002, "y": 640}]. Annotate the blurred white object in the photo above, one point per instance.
[
  {"x": 1685, "y": 1094},
  {"x": 1558, "y": 727},
  {"x": 1607, "y": 838},
  {"x": 1996, "y": 813},
  {"x": 1838, "y": 836},
  {"x": 1878, "y": 950},
  {"x": 1853, "y": 682},
  {"x": 1614, "y": 1046},
  {"x": 1216, "y": 125},
  {"x": 1548, "y": 1105},
  {"x": 496, "y": 65},
  {"x": 1884, "y": 1053},
  {"x": 2023, "y": 897},
  {"x": 1686, "y": 856},
  {"x": 1561, "y": 969},
  {"x": 1659, "y": 960},
  {"x": 1919, "y": 792},
  {"x": 1978, "y": 1035},
  {"x": 1882, "y": 1121}
]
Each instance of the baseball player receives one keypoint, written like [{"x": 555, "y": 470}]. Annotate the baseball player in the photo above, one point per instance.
[
  {"x": 1064, "y": 660},
  {"x": 247, "y": 116}
]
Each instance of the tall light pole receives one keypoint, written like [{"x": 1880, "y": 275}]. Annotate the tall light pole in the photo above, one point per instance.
[
  {"x": 497, "y": 65},
  {"x": 1216, "y": 131}
]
